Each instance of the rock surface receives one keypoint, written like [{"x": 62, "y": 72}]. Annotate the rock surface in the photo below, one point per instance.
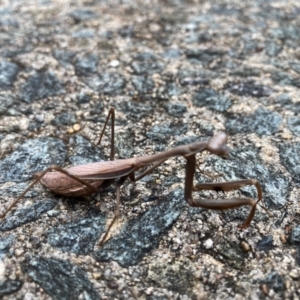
[{"x": 176, "y": 72}]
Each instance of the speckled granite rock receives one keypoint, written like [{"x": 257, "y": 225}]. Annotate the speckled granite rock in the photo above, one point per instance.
[{"x": 177, "y": 72}]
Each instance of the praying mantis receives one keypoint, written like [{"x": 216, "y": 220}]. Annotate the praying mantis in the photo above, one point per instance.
[{"x": 84, "y": 180}]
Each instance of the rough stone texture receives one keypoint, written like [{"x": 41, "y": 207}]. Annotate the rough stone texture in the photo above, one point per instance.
[
  {"x": 289, "y": 156},
  {"x": 249, "y": 88},
  {"x": 64, "y": 119},
  {"x": 106, "y": 83},
  {"x": 211, "y": 99},
  {"x": 9, "y": 287},
  {"x": 60, "y": 279},
  {"x": 41, "y": 85},
  {"x": 232, "y": 253},
  {"x": 142, "y": 234},
  {"x": 26, "y": 215},
  {"x": 79, "y": 236},
  {"x": 177, "y": 275},
  {"x": 8, "y": 74},
  {"x": 176, "y": 72},
  {"x": 275, "y": 281},
  {"x": 162, "y": 133},
  {"x": 5, "y": 244},
  {"x": 84, "y": 152},
  {"x": 6, "y": 101},
  {"x": 34, "y": 155},
  {"x": 262, "y": 122},
  {"x": 295, "y": 235},
  {"x": 265, "y": 244}
]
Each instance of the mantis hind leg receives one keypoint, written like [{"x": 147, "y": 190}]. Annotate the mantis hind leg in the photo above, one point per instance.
[
  {"x": 117, "y": 210},
  {"x": 111, "y": 114}
]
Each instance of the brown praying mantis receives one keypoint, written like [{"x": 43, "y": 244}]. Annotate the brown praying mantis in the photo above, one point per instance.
[{"x": 84, "y": 180}]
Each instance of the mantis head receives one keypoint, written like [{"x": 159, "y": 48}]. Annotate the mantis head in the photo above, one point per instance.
[{"x": 217, "y": 145}]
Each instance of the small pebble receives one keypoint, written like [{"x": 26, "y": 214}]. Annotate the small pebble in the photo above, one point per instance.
[
  {"x": 19, "y": 252},
  {"x": 114, "y": 63},
  {"x": 198, "y": 274},
  {"x": 286, "y": 136},
  {"x": 135, "y": 292},
  {"x": 265, "y": 289},
  {"x": 22, "y": 237},
  {"x": 97, "y": 275},
  {"x": 107, "y": 274},
  {"x": 28, "y": 245},
  {"x": 70, "y": 130},
  {"x": 53, "y": 213},
  {"x": 283, "y": 239},
  {"x": 294, "y": 274},
  {"x": 76, "y": 127},
  {"x": 245, "y": 246},
  {"x": 39, "y": 118},
  {"x": 208, "y": 244},
  {"x": 112, "y": 285}
]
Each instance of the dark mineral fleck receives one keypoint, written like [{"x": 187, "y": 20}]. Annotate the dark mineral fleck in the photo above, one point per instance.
[
  {"x": 79, "y": 236},
  {"x": 290, "y": 157},
  {"x": 265, "y": 244},
  {"x": 294, "y": 125},
  {"x": 26, "y": 215},
  {"x": 60, "y": 279},
  {"x": 211, "y": 99},
  {"x": 295, "y": 235},
  {"x": 5, "y": 244},
  {"x": 142, "y": 234},
  {"x": 67, "y": 118},
  {"x": 6, "y": 101},
  {"x": 232, "y": 253},
  {"x": 41, "y": 85},
  {"x": 143, "y": 84},
  {"x": 161, "y": 133},
  {"x": 175, "y": 109},
  {"x": 8, "y": 74},
  {"x": 86, "y": 64},
  {"x": 126, "y": 31},
  {"x": 261, "y": 122},
  {"x": 106, "y": 83},
  {"x": 146, "y": 63},
  {"x": 65, "y": 57},
  {"x": 80, "y": 15},
  {"x": 249, "y": 88},
  {"x": 34, "y": 155},
  {"x": 84, "y": 152},
  {"x": 9, "y": 286},
  {"x": 275, "y": 282},
  {"x": 136, "y": 110}
]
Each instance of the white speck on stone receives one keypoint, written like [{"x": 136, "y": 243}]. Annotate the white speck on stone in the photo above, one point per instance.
[
  {"x": 208, "y": 244},
  {"x": 294, "y": 274},
  {"x": 114, "y": 63},
  {"x": 53, "y": 213},
  {"x": 29, "y": 296},
  {"x": 2, "y": 270},
  {"x": 19, "y": 252}
]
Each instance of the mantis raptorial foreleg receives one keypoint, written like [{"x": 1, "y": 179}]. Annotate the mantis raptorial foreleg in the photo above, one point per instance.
[{"x": 220, "y": 204}]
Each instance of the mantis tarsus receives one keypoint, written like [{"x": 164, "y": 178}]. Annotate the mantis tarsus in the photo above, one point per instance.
[{"x": 84, "y": 180}]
